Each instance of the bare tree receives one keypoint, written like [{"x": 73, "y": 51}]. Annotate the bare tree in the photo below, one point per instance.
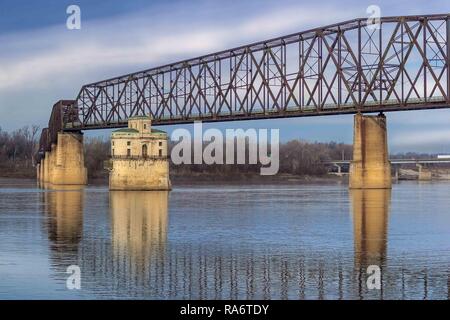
[{"x": 34, "y": 142}]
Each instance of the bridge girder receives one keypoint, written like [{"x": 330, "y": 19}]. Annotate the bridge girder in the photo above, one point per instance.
[
  {"x": 62, "y": 112},
  {"x": 347, "y": 67}
]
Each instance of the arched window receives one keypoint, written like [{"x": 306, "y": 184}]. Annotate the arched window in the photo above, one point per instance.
[{"x": 144, "y": 150}]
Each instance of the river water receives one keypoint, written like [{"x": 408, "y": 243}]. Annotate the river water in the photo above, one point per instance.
[{"x": 311, "y": 241}]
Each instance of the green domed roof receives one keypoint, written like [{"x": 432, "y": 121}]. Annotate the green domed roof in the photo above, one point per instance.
[
  {"x": 126, "y": 130},
  {"x": 140, "y": 118}
]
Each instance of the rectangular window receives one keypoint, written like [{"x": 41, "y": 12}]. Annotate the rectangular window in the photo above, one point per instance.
[
  {"x": 160, "y": 152},
  {"x": 113, "y": 152},
  {"x": 145, "y": 126},
  {"x": 113, "y": 143},
  {"x": 128, "y": 152},
  {"x": 160, "y": 143},
  {"x": 128, "y": 143}
]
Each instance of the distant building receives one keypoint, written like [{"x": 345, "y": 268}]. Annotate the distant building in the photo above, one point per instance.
[
  {"x": 443, "y": 156},
  {"x": 139, "y": 157}
]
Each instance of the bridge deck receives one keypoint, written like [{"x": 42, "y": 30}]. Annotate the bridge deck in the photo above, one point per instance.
[
  {"x": 342, "y": 68},
  {"x": 290, "y": 112}
]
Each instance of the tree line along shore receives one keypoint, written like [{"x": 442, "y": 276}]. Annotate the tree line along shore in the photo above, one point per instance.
[{"x": 298, "y": 159}]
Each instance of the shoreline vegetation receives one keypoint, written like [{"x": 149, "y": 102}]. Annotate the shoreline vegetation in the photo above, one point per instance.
[
  {"x": 209, "y": 179},
  {"x": 299, "y": 161}
]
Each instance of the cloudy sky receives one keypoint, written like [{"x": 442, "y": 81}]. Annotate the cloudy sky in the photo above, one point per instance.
[{"x": 41, "y": 61}]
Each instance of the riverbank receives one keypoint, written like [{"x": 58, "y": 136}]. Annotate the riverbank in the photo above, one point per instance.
[
  {"x": 211, "y": 179},
  {"x": 206, "y": 178},
  {"x": 248, "y": 179},
  {"x": 20, "y": 173}
]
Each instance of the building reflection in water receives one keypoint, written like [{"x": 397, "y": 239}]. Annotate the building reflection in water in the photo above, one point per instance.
[
  {"x": 138, "y": 229},
  {"x": 370, "y": 212},
  {"x": 63, "y": 206}
]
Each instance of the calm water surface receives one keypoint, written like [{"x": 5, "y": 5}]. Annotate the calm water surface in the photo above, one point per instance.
[{"x": 310, "y": 241}]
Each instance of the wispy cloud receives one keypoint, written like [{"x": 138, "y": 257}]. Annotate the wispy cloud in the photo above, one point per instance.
[{"x": 129, "y": 41}]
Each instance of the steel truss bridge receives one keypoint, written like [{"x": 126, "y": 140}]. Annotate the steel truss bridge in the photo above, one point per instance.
[{"x": 401, "y": 63}]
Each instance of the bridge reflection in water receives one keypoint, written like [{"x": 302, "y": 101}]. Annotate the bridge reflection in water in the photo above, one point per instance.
[{"x": 128, "y": 253}]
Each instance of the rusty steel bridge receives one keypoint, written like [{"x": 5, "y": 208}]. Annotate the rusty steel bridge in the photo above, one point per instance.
[{"x": 401, "y": 63}]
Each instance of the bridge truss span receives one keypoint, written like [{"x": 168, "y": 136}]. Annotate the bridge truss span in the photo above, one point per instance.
[{"x": 355, "y": 66}]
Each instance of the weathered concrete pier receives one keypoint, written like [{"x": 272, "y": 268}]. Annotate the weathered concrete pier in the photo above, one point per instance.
[
  {"x": 424, "y": 173},
  {"x": 64, "y": 164},
  {"x": 370, "y": 168}
]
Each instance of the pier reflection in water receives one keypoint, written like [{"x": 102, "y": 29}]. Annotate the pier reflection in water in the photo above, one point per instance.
[
  {"x": 370, "y": 209},
  {"x": 370, "y": 213},
  {"x": 259, "y": 244},
  {"x": 63, "y": 206}
]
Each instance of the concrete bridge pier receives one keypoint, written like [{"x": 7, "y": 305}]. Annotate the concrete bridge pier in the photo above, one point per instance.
[
  {"x": 64, "y": 164},
  {"x": 38, "y": 172},
  {"x": 424, "y": 173},
  {"x": 51, "y": 163},
  {"x": 67, "y": 160},
  {"x": 370, "y": 168},
  {"x": 339, "y": 169},
  {"x": 46, "y": 178},
  {"x": 41, "y": 171}
]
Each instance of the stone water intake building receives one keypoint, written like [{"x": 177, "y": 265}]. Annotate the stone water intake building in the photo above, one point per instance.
[{"x": 139, "y": 158}]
